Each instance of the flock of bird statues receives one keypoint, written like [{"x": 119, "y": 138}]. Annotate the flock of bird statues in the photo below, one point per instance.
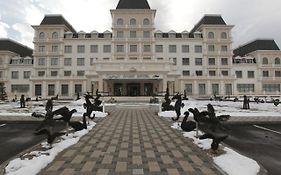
[
  {"x": 208, "y": 118},
  {"x": 50, "y": 117}
]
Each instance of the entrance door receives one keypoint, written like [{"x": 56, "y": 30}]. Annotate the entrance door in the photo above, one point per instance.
[
  {"x": 148, "y": 89},
  {"x": 133, "y": 89},
  {"x": 118, "y": 89}
]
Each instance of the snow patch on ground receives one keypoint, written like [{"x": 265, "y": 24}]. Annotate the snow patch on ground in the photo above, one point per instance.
[
  {"x": 230, "y": 162},
  {"x": 42, "y": 158}
]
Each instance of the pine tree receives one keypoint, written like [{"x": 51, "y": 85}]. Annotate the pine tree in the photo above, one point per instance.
[{"x": 3, "y": 94}]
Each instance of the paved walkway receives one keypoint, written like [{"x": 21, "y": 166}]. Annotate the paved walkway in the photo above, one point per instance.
[{"x": 132, "y": 141}]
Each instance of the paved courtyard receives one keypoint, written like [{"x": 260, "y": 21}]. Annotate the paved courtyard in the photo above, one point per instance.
[{"x": 132, "y": 141}]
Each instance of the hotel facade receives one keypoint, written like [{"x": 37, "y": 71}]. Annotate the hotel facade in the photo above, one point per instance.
[{"x": 136, "y": 59}]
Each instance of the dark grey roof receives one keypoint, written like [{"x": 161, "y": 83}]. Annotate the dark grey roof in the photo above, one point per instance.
[
  {"x": 56, "y": 20},
  {"x": 133, "y": 4},
  {"x": 13, "y": 46},
  {"x": 261, "y": 44},
  {"x": 209, "y": 20}
]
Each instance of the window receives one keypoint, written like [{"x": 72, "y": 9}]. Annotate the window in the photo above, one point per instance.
[
  {"x": 228, "y": 89},
  {"x": 1, "y": 74},
  {"x": 133, "y": 58},
  {"x": 80, "y": 73},
  {"x": 133, "y": 34},
  {"x": 41, "y": 61},
  {"x": 55, "y": 48},
  {"x": 38, "y": 89},
  {"x": 67, "y": 73},
  {"x": 238, "y": 74},
  {"x": 106, "y": 58},
  {"x": 212, "y": 73},
  {"x": 120, "y": 58},
  {"x": 54, "y": 61},
  {"x": 54, "y": 73},
  {"x": 15, "y": 74},
  {"x": 185, "y": 73},
  {"x": 1, "y": 61},
  {"x": 120, "y": 34},
  {"x": 26, "y": 74},
  {"x": 172, "y": 48},
  {"x": 264, "y": 60},
  {"x": 146, "y": 48},
  {"x": 51, "y": 89},
  {"x": 277, "y": 61},
  {"x": 22, "y": 88},
  {"x": 80, "y": 49},
  {"x": 146, "y": 22},
  {"x": 198, "y": 61},
  {"x": 146, "y": 34},
  {"x": 215, "y": 89},
  {"x": 265, "y": 73},
  {"x": 199, "y": 73},
  {"x": 106, "y": 48},
  {"x": 223, "y": 35},
  {"x": 211, "y": 35},
  {"x": 224, "y": 61},
  {"x": 120, "y": 48},
  {"x": 160, "y": 58},
  {"x": 159, "y": 48},
  {"x": 80, "y": 61},
  {"x": 133, "y": 21},
  {"x": 198, "y": 49},
  {"x": 271, "y": 87},
  {"x": 212, "y": 61},
  {"x": 202, "y": 89},
  {"x": 68, "y": 49},
  {"x": 120, "y": 21},
  {"x": 224, "y": 48},
  {"x": 55, "y": 35},
  {"x": 185, "y": 48},
  {"x": 64, "y": 89},
  {"x": 41, "y": 73},
  {"x": 245, "y": 87},
  {"x": 41, "y": 48},
  {"x": 67, "y": 61},
  {"x": 188, "y": 89},
  {"x": 133, "y": 48},
  {"x": 278, "y": 73},
  {"x": 78, "y": 88},
  {"x": 94, "y": 48},
  {"x": 146, "y": 58},
  {"x": 185, "y": 61},
  {"x": 211, "y": 48},
  {"x": 41, "y": 35},
  {"x": 251, "y": 74},
  {"x": 224, "y": 73}
]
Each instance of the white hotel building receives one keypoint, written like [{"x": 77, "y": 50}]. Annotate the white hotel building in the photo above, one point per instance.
[{"x": 135, "y": 59}]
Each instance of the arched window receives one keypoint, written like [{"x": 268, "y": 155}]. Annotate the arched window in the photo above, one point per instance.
[
  {"x": 146, "y": 21},
  {"x": 120, "y": 21},
  {"x": 133, "y": 21},
  {"x": 41, "y": 35},
  {"x": 277, "y": 61},
  {"x": 55, "y": 35},
  {"x": 223, "y": 35},
  {"x": 211, "y": 35},
  {"x": 264, "y": 60}
]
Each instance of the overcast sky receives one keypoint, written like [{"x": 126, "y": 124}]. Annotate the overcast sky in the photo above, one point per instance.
[{"x": 252, "y": 18}]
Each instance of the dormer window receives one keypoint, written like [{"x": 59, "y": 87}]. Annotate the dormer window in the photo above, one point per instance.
[
  {"x": 55, "y": 35},
  {"x": 146, "y": 22},
  {"x": 223, "y": 35},
  {"x": 211, "y": 35},
  {"x": 41, "y": 35},
  {"x": 277, "y": 61},
  {"x": 120, "y": 21},
  {"x": 264, "y": 60},
  {"x": 133, "y": 22}
]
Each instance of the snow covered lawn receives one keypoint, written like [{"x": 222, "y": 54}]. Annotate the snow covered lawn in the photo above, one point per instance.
[
  {"x": 31, "y": 163},
  {"x": 230, "y": 161}
]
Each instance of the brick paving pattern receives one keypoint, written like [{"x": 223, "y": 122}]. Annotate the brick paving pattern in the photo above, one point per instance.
[{"x": 132, "y": 141}]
